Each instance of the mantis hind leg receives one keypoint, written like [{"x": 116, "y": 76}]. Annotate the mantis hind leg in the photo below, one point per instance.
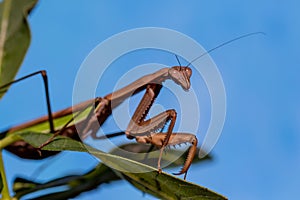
[{"x": 43, "y": 73}]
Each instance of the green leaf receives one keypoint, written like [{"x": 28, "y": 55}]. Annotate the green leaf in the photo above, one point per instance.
[
  {"x": 160, "y": 185},
  {"x": 77, "y": 184},
  {"x": 165, "y": 186},
  {"x": 176, "y": 157},
  {"x": 14, "y": 37}
]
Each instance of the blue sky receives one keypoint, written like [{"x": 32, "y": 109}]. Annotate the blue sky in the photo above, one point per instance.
[{"x": 257, "y": 155}]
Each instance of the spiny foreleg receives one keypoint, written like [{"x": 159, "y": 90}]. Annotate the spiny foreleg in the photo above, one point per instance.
[
  {"x": 138, "y": 126},
  {"x": 158, "y": 140}
]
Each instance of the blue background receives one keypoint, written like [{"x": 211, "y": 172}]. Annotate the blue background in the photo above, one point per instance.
[{"x": 257, "y": 156}]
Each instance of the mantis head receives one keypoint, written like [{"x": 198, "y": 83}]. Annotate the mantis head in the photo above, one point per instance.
[{"x": 181, "y": 76}]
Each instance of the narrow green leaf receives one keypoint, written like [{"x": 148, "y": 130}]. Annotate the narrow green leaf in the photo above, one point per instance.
[
  {"x": 176, "y": 157},
  {"x": 161, "y": 185},
  {"x": 165, "y": 186},
  {"x": 76, "y": 184},
  {"x": 14, "y": 36}
]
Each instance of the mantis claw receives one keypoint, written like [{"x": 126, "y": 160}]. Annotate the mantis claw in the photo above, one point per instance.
[
  {"x": 159, "y": 170},
  {"x": 39, "y": 150},
  {"x": 189, "y": 159}
]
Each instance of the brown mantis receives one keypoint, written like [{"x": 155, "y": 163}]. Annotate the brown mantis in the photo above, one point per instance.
[
  {"x": 98, "y": 109},
  {"x": 140, "y": 129}
]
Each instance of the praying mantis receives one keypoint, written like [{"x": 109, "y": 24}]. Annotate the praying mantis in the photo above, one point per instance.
[
  {"x": 143, "y": 131},
  {"x": 91, "y": 114}
]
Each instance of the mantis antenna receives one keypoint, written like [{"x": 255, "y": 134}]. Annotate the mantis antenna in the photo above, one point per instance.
[
  {"x": 225, "y": 43},
  {"x": 178, "y": 60}
]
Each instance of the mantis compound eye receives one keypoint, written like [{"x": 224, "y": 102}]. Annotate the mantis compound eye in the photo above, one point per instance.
[{"x": 188, "y": 71}]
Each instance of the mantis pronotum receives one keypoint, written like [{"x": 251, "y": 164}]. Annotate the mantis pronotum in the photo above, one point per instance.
[{"x": 144, "y": 131}]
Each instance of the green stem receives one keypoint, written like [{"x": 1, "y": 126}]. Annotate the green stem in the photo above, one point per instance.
[
  {"x": 5, "y": 190},
  {"x": 3, "y": 143},
  {"x": 9, "y": 139}
]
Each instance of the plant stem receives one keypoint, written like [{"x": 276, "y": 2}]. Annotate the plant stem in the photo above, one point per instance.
[
  {"x": 3, "y": 143},
  {"x": 9, "y": 139},
  {"x": 5, "y": 190}
]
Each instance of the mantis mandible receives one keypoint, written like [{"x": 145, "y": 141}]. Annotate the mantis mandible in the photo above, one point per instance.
[{"x": 98, "y": 109}]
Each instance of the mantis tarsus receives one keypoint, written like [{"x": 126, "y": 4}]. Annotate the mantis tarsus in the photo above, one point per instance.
[{"x": 144, "y": 131}]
